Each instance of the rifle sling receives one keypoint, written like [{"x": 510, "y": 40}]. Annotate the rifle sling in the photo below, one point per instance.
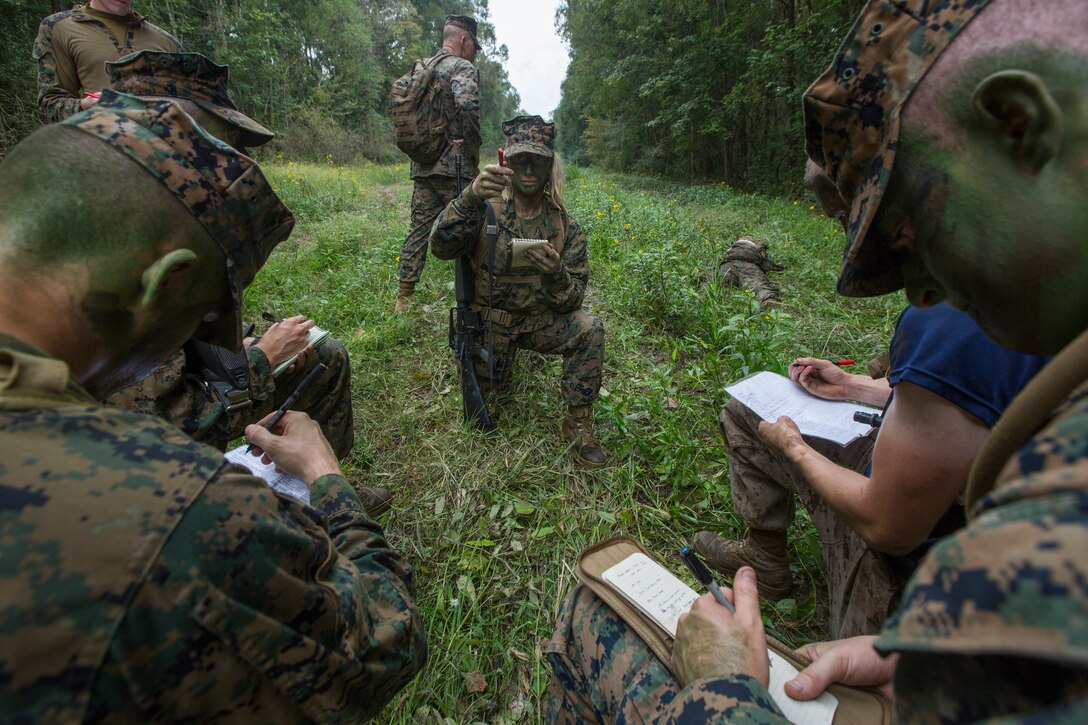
[{"x": 492, "y": 242}]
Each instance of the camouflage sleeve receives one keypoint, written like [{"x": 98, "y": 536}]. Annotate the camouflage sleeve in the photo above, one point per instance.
[
  {"x": 457, "y": 228},
  {"x": 311, "y": 601},
  {"x": 464, "y": 86},
  {"x": 565, "y": 288},
  {"x": 58, "y": 82},
  {"x": 941, "y": 687},
  {"x": 736, "y": 699},
  {"x": 261, "y": 382}
]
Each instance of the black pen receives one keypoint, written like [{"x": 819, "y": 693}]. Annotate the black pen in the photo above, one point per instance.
[
  {"x": 280, "y": 411},
  {"x": 702, "y": 575}
]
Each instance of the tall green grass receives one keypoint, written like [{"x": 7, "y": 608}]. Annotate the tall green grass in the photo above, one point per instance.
[{"x": 493, "y": 522}]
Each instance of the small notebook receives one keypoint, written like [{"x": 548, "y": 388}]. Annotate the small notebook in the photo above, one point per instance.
[
  {"x": 317, "y": 337},
  {"x": 650, "y": 599},
  {"x": 280, "y": 481},
  {"x": 518, "y": 247}
]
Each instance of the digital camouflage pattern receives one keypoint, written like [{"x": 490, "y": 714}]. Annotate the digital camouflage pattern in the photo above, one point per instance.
[
  {"x": 862, "y": 589},
  {"x": 746, "y": 264},
  {"x": 529, "y": 135},
  {"x": 544, "y": 310},
  {"x": 71, "y": 49},
  {"x": 181, "y": 398},
  {"x": 852, "y": 119},
  {"x": 191, "y": 76},
  {"x": 1012, "y": 582},
  {"x": 223, "y": 189},
  {"x": 429, "y": 197},
  {"x": 146, "y": 579},
  {"x": 460, "y": 112},
  {"x": 602, "y": 671},
  {"x": 436, "y": 185}
]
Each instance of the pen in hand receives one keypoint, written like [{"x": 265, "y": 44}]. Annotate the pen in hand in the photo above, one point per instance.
[
  {"x": 282, "y": 410},
  {"x": 702, "y": 575},
  {"x": 269, "y": 317}
]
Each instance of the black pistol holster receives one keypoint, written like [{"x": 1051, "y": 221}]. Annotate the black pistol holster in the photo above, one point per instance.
[{"x": 225, "y": 373}]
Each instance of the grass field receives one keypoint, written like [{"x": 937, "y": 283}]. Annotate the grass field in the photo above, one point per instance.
[{"x": 493, "y": 522}]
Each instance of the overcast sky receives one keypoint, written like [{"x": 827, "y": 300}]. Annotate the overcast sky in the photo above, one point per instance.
[{"x": 538, "y": 58}]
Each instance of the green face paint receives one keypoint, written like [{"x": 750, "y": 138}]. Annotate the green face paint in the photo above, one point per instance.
[
  {"x": 531, "y": 173},
  {"x": 1008, "y": 247}
]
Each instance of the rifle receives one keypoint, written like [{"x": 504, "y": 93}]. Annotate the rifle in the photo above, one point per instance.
[{"x": 465, "y": 323}]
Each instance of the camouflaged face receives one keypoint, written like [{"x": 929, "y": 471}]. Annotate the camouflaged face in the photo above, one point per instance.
[
  {"x": 225, "y": 190},
  {"x": 852, "y": 118},
  {"x": 191, "y": 76},
  {"x": 529, "y": 134}
]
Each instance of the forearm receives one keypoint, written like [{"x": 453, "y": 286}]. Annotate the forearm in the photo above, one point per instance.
[
  {"x": 844, "y": 490},
  {"x": 565, "y": 289},
  {"x": 458, "y": 226},
  {"x": 865, "y": 389}
]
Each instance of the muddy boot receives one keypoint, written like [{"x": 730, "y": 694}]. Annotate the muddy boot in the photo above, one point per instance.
[
  {"x": 376, "y": 501},
  {"x": 764, "y": 551},
  {"x": 578, "y": 427},
  {"x": 405, "y": 297}
]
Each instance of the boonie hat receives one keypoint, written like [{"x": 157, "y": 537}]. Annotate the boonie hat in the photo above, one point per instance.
[
  {"x": 852, "y": 119},
  {"x": 191, "y": 76},
  {"x": 529, "y": 134},
  {"x": 224, "y": 189}
]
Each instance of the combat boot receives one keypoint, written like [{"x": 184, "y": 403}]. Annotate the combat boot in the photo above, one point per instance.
[
  {"x": 376, "y": 501},
  {"x": 406, "y": 295},
  {"x": 578, "y": 427},
  {"x": 764, "y": 551}
]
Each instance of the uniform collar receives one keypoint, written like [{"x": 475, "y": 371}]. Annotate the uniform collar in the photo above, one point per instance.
[{"x": 29, "y": 378}]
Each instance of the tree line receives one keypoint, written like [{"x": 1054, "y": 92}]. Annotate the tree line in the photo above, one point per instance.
[
  {"x": 317, "y": 72},
  {"x": 695, "y": 88}
]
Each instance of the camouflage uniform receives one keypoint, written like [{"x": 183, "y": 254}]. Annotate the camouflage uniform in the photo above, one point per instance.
[
  {"x": 746, "y": 264},
  {"x": 145, "y": 578},
  {"x": 530, "y": 310},
  {"x": 436, "y": 185},
  {"x": 72, "y": 48},
  {"x": 182, "y": 397}
]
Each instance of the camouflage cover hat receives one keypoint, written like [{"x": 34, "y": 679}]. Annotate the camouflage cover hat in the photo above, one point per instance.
[
  {"x": 465, "y": 23},
  {"x": 852, "y": 118},
  {"x": 191, "y": 76},
  {"x": 529, "y": 134},
  {"x": 224, "y": 189}
]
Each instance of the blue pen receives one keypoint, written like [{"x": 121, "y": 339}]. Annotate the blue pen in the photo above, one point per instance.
[{"x": 703, "y": 576}]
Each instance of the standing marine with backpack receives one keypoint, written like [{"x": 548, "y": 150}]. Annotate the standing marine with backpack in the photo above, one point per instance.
[{"x": 436, "y": 102}]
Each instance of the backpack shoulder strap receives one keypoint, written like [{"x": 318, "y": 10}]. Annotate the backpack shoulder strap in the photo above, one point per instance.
[{"x": 559, "y": 219}]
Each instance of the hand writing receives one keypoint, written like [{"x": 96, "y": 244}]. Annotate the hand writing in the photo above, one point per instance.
[
  {"x": 711, "y": 641},
  {"x": 296, "y": 445}
]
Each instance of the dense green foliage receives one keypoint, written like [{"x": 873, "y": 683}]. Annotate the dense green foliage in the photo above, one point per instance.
[
  {"x": 316, "y": 71},
  {"x": 493, "y": 522},
  {"x": 695, "y": 88}
]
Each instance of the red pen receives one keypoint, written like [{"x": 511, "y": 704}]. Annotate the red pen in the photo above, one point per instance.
[
  {"x": 502, "y": 157},
  {"x": 844, "y": 362}
]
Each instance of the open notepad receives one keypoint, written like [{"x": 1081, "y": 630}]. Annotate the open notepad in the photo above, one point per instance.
[
  {"x": 317, "y": 337},
  {"x": 770, "y": 395},
  {"x": 658, "y": 594},
  {"x": 518, "y": 248},
  {"x": 280, "y": 481}
]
